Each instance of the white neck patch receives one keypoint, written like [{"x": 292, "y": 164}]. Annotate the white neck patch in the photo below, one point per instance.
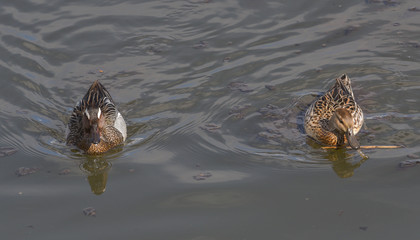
[
  {"x": 99, "y": 113},
  {"x": 87, "y": 113}
]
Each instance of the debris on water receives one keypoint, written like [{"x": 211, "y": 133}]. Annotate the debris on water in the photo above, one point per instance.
[
  {"x": 226, "y": 59},
  {"x": 413, "y": 156},
  {"x": 153, "y": 50},
  {"x": 413, "y": 44},
  {"x": 270, "y": 87},
  {"x": 409, "y": 163},
  {"x": 364, "y": 228},
  {"x": 239, "y": 111},
  {"x": 202, "y": 176},
  {"x": 239, "y": 108},
  {"x": 23, "y": 171},
  {"x": 7, "y": 151},
  {"x": 414, "y": 9},
  {"x": 268, "y": 135},
  {"x": 96, "y": 71},
  {"x": 89, "y": 211},
  {"x": 271, "y": 111},
  {"x": 242, "y": 87},
  {"x": 210, "y": 127},
  {"x": 131, "y": 170},
  {"x": 391, "y": 3},
  {"x": 64, "y": 171},
  {"x": 340, "y": 213},
  {"x": 201, "y": 44}
]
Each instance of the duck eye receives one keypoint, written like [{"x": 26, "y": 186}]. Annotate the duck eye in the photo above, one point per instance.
[{"x": 341, "y": 121}]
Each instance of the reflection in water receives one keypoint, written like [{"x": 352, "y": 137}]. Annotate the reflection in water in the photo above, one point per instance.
[
  {"x": 342, "y": 162},
  {"x": 98, "y": 173}
]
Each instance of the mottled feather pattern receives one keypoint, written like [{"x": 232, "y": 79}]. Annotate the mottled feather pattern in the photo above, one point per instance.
[
  {"x": 75, "y": 125},
  {"x": 96, "y": 97},
  {"x": 317, "y": 117},
  {"x": 112, "y": 138},
  {"x": 99, "y": 97}
]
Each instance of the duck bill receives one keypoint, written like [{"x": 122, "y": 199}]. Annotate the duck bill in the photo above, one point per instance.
[
  {"x": 95, "y": 137},
  {"x": 351, "y": 138}
]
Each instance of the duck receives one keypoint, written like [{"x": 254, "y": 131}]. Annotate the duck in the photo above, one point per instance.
[
  {"x": 95, "y": 125},
  {"x": 335, "y": 118}
]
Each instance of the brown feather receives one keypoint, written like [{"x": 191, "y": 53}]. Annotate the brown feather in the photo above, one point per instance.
[
  {"x": 97, "y": 98},
  {"x": 317, "y": 118}
]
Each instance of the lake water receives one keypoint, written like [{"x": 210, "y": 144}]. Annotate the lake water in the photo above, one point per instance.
[{"x": 213, "y": 93}]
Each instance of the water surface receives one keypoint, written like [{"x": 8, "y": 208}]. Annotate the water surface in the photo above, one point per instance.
[{"x": 213, "y": 93}]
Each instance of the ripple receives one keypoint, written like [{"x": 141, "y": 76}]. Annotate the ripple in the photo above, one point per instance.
[{"x": 170, "y": 67}]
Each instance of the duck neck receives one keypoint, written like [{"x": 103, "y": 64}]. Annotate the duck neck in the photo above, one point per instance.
[
  {"x": 339, "y": 134},
  {"x": 340, "y": 137}
]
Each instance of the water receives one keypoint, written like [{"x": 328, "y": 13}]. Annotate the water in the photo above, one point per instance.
[{"x": 213, "y": 93}]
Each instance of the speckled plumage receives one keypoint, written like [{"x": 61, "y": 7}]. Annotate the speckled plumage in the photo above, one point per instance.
[
  {"x": 95, "y": 125},
  {"x": 317, "y": 118}
]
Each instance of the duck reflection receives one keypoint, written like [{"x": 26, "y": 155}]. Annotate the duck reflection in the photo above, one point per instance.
[
  {"x": 97, "y": 170},
  {"x": 342, "y": 160},
  {"x": 343, "y": 163}
]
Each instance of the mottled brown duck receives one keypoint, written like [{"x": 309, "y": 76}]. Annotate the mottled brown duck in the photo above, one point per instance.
[{"x": 335, "y": 118}]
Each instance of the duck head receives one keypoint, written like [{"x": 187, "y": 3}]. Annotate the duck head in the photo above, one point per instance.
[
  {"x": 342, "y": 122},
  {"x": 93, "y": 122}
]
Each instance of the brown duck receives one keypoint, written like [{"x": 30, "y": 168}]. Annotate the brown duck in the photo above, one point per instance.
[
  {"x": 95, "y": 125},
  {"x": 335, "y": 118}
]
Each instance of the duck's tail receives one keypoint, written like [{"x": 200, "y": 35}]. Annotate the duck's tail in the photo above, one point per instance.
[{"x": 344, "y": 83}]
